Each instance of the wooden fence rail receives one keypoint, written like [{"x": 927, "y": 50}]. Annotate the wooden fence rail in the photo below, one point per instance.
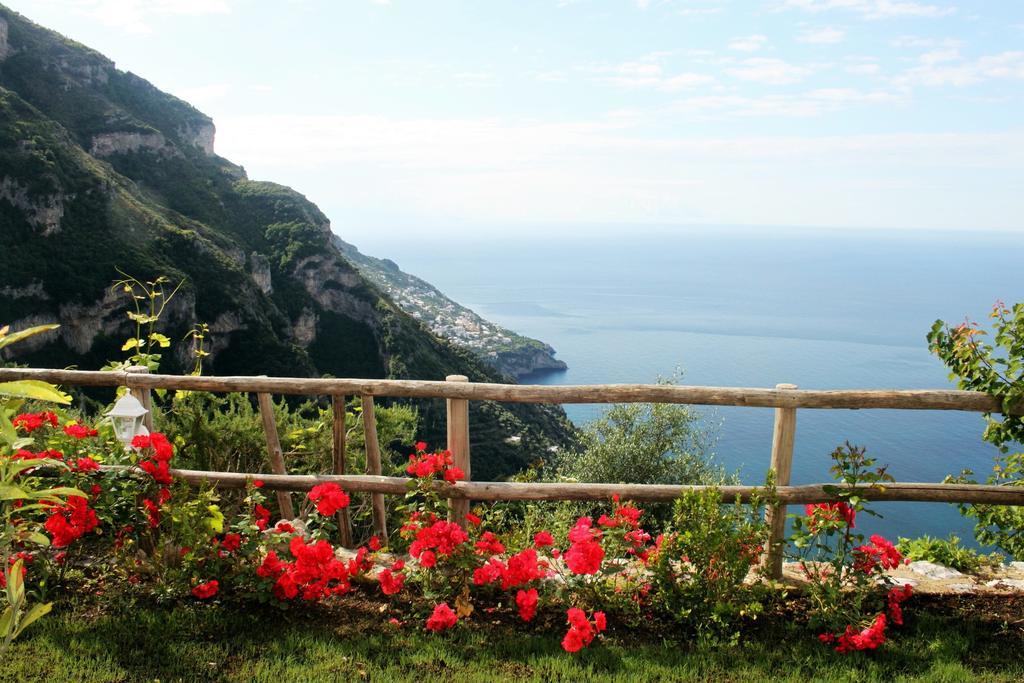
[
  {"x": 849, "y": 399},
  {"x": 458, "y": 391}
]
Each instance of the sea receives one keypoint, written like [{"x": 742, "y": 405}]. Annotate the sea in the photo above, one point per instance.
[{"x": 750, "y": 307}]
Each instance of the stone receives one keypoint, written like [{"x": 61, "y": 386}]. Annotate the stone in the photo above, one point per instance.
[
  {"x": 933, "y": 570},
  {"x": 1015, "y": 584},
  {"x": 960, "y": 587},
  {"x": 1019, "y": 566}
]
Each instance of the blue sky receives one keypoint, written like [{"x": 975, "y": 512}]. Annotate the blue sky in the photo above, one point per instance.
[{"x": 583, "y": 115}]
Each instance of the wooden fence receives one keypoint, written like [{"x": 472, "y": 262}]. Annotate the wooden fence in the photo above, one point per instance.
[{"x": 786, "y": 399}]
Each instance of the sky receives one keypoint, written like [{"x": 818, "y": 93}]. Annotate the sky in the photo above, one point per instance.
[{"x": 470, "y": 117}]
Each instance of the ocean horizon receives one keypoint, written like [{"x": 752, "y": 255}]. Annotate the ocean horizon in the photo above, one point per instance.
[{"x": 747, "y": 307}]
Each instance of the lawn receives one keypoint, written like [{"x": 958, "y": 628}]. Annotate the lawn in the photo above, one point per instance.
[{"x": 952, "y": 638}]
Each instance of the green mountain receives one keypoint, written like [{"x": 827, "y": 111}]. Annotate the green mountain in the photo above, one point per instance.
[{"x": 100, "y": 170}]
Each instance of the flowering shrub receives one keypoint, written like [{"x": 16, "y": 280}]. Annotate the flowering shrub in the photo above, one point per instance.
[
  {"x": 997, "y": 369},
  {"x": 849, "y": 601},
  {"x": 172, "y": 542}
]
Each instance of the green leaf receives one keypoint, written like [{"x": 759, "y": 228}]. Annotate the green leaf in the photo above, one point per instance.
[
  {"x": 32, "y": 615},
  {"x": 9, "y": 492},
  {"x": 8, "y": 339},
  {"x": 131, "y": 344},
  {"x": 34, "y": 389},
  {"x": 160, "y": 339},
  {"x": 6, "y": 619},
  {"x": 38, "y": 538}
]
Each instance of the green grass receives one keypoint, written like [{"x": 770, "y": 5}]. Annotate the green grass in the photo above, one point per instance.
[{"x": 353, "y": 641}]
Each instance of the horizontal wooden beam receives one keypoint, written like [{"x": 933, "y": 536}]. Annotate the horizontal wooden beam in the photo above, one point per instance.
[
  {"x": 854, "y": 399},
  {"x": 500, "y": 490}
]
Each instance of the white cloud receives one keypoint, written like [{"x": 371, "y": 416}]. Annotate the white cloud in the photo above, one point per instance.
[
  {"x": 917, "y": 41},
  {"x": 769, "y": 71},
  {"x": 874, "y": 9},
  {"x": 748, "y": 43},
  {"x": 649, "y": 72},
  {"x": 864, "y": 69},
  {"x": 822, "y": 36},
  {"x": 808, "y": 104},
  {"x": 947, "y": 68},
  {"x": 138, "y": 16}
]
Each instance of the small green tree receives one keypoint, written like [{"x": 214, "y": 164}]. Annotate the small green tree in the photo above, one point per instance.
[
  {"x": 643, "y": 443},
  {"x": 998, "y": 370}
]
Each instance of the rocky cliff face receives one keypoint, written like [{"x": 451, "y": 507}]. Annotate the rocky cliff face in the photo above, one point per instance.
[{"x": 100, "y": 173}]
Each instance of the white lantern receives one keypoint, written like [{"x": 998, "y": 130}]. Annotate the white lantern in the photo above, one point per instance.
[{"x": 127, "y": 416}]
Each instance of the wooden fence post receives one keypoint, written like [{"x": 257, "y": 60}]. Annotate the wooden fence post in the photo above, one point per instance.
[
  {"x": 380, "y": 515},
  {"x": 458, "y": 445},
  {"x": 783, "y": 436},
  {"x": 284, "y": 499},
  {"x": 338, "y": 460},
  {"x": 142, "y": 395}
]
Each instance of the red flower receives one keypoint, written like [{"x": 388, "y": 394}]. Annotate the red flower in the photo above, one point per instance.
[
  {"x": 438, "y": 538},
  {"x": 71, "y": 521},
  {"x": 867, "y": 639},
  {"x": 206, "y": 590},
  {"x": 33, "y": 421},
  {"x": 262, "y": 517},
  {"x": 85, "y": 465},
  {"x": 374, "y": 543},
  {"x": 421, "y": 446},
  {"x": 526, "y": 601},
  {"x": 231, "y": 542},
  {"x": 79, "y": 431},
  {"x": 162, "y": 448},
  {"x": 584, "y": 557},
  {"x": 390, "y": 583},
  {"x": 489, "y": 544},
  {"x": 880, "y": 552},
  {"x": 543, "y": 539},
  {"x": 472, "y": 519},
  {"x": 329, "y": 498},
  {"x": 830, "y": 512},
  {"x": 581, "y": 631},
  {"x": 152, "y": 512},
  {"x": 443, "y": 618},
  {"x": 284, "y": 527},
  {"x": 159, "y": 470},
  {"x": 522, "y": 568},
  {"x": 258, "y": 483},
  {"x": 271, "y": 567},
  {"x": 453, "y": 474},
  {"x": 894, "y": 598},
  {"x": 163, "y": 495}
]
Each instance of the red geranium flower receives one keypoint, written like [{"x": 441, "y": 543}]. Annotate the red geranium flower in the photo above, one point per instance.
[
  {"x": 542, "y": 539},
  {"x": 79, "y": 431},
  {"x": 231, "y": 542},
  {"x": 443, "y": 618},
  {"x": 262, "y": 516},
  {"x": 390, "y": 583},
  {"x": 329, "y": 498},
  {"x": 33, "y": 421},
  {"x": 85, "y": 465},
  {"x": 206, "y": 590},
  {"x": 526, "y": 601}
]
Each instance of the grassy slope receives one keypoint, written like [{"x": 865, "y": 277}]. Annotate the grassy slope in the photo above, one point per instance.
[{"x": 353, "y": 642}]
